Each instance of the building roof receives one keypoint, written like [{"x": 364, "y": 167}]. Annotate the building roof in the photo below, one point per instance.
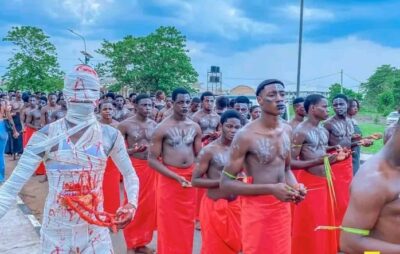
[{"x": 242, "y": 90}]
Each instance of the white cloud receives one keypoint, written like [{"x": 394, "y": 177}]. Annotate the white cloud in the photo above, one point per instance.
[
  {"x": 309, "y": 14},
  {"x": 358, "y": 58},
  {"x": 216, "y": 17}
]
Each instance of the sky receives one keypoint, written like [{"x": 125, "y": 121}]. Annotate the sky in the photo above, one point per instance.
[{"x": 249, "y": 40}]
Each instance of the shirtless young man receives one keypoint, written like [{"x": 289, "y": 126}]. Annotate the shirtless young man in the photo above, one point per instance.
[
  {"x": 241, "y": 105},
  {"x": 218, "y": 209},
  {"x": 207, "y": 118},
  {"x": 61, "y": 111},
  {"x": 262, "y": 148},
  {"x": 309, "y": 145},
  {"x": 371, "y": 221},
  {"x": 300, "y": 113},
  {"x": 341, "y": 133},
  {"x": 177, "y": 141},
  {"x": 49, "y": 109},
  {"x": 165, "y": 111},
  {"x": 194, "y": 106},
  {"x": 137, "y": 131},
  {"x": 33, "y": 115},
  {"x": 120, "y": 112}
]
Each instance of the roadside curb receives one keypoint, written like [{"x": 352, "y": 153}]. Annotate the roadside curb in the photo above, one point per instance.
[{"x": 28, "y": 214}]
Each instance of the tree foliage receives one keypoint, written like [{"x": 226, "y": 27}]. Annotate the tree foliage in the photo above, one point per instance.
[
  {"x": 157, "y": 61},
  {"x": 385, "y": 80},
  {"x": 336, "y": 89},
  {"x": 33, "y": 65}
]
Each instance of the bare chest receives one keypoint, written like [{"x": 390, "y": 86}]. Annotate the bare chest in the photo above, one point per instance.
[
  {"x": 267, "y": 148},
  {"x": 138, "y": 133},
  {"x": 177, "y": 137}
]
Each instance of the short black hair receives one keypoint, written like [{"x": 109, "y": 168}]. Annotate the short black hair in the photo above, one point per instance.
[
  {"x": 177, "y": 91},
  {"x": 312, "y": 99},
  {"x": 110, "y": 94},
  {"x": 196, "y": 100},
  {"x": 119, "y": 96},
  {"x": 267, "y": 82},
  {"x": 232, "y": 102},
  {"x": 230, "y": 113},
  {"x": 158, "y": 93},
  {"x": 242, "y": 99},
  {"x": 341, "y": 96},
  {"x": 207, "y": 93},
  {"x": 298, "y": 100},
  {"x": 141, "y": 97},
  {"x": 354, "y": 100},
  {"x": 43, "y": 98},
  {"x": 222, "y": 102},
  {"x": 105, "y": 102},
  {"x": 50, "y": 94},
  {"x": 132, "y": 94},
  {"x": 252, "y": 108}
]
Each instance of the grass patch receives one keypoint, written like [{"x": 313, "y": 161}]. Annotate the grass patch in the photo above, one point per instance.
[{"x": 368, "y": 129}]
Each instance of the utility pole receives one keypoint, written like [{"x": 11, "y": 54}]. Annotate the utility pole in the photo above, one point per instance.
[
  {"x": 300, "y": 44},
  {"x": 84, "y": 53},
  {"x": 341, "y": 81}
]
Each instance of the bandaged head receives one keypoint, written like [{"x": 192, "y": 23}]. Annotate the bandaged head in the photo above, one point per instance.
[{"x": 81, "y": 91}]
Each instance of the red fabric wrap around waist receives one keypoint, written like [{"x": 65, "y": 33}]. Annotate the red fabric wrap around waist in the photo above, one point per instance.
[
  {"x": 175, "y": 213},
  {"x": 318, "y": 208}
]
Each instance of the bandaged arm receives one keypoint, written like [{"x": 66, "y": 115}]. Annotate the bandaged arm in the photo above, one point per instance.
[
  {"x": 121, "y": 159},
  {"x": 26, "y": 166}
]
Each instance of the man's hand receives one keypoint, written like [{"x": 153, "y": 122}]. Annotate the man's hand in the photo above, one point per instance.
[
  {"x": 182, "y": 180},
  {"x": 284, "y": 192},
  {"x": 15, "y": 134},
  {"x": 124, "y": 215},
  {"x": 332, "y": 158},
  {"x": 302, "y": 191},
  {"x": 137, "y": 149},
  {"x": 366, "y": 142}
]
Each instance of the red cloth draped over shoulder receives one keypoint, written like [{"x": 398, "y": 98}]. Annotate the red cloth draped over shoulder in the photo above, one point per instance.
[
  {"x": 176, "y": 207},
  {"x": 315, "y": 210},
  {"x": 266, "y": 225},
  {"x": 220, "y": 226},
  {"x": 41, "y": 170},
  {"x": 111, "y": 191},
  {"x": 140, "y": 231}
]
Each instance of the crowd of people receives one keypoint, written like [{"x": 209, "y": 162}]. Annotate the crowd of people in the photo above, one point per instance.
[{"x": 255, "y": 182}]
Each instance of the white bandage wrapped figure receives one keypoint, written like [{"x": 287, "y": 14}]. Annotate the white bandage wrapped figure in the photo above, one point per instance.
[{"x": 75, "y": 151}]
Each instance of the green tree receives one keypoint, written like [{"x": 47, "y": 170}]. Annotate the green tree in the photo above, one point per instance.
[
  {"x": 385, "y": 102},
  {"x": 157, "y": 61},
  {"x": 336, "y": 89},
  {"x": 34, "y": 64},
  {"x": 384, "y": 79}
]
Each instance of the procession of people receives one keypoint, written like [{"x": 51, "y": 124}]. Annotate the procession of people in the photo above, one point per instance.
[{"x": 253, "y": 181}]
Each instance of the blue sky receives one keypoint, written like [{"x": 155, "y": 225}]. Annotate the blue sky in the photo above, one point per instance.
[{"x": 250, "y": 40}]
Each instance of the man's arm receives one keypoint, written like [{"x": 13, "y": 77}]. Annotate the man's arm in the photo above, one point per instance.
[
  {"x": 43, "y": 116},
  {"x": 297, "y": 143},
  {"x": 229, "y": 183},
  {"x": 363, "y": 213},
  {"x": 26, "y": 166},
  {"x": 197, "y": 145},
  {"x": 201, "y": 169}
]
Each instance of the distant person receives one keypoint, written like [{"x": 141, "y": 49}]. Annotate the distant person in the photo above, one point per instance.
[
  {"x": 299, "y": 112},
  {"x": 242, "y": 104},
  {"x": 221, "y": 104},
  {"x": 255, "y": 112}
]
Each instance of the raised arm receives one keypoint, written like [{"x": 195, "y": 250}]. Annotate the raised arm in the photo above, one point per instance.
[
  {"x": 363, "y": 212},
  {"x": 198, "y": 179}
]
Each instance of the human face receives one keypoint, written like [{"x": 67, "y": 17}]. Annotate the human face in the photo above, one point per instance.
[
  {"x": 161, "y": 97},
  {"x": 106, "y": 110},
  {"x": 299, "y": 109},
  {"x": 42, "y": 103},
  {"x": 339, "y": 106},
  {"x": 18, "y": 94},
  {"x": 144, "y": 107},
  {"x": 132, "y": 98},
  {"x": 61, "y": 102},
  {"x": 272, "y": 99},
  {"x": 32, "y": 101},
  {"x": 353, "y": 110},
  {"x": 181, "y": 104},
  {"x": 168, "y": 102},
  {"x": 242, "y": 109},
  {"x": 208, "y": 103},
  {"x": 194, "y": 106},
  {"x": 230, "y": 128},
  {"x": 256, "y": 113},
  {"x": 320, "y": 110},
  {"x": 52, "y": 100},
  {"x": 119, "y": 102}
]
